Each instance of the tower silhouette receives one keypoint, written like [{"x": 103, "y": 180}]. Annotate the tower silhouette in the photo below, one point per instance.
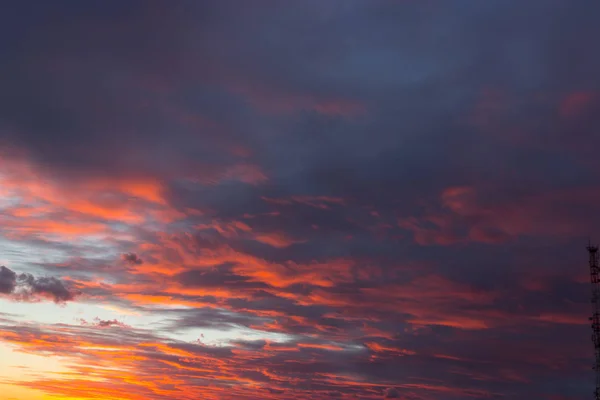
[{"x": 595, "y": 318}]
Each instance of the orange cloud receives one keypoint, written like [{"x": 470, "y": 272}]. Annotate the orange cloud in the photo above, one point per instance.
[{"x": 276, "y": 239}]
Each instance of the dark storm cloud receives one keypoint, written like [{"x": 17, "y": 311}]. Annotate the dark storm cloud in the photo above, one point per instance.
[
  {"x": 92, "y": 112},
  {"x": 413, "y": 136}
]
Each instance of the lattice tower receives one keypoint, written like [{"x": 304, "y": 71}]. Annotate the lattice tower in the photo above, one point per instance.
[{"x": 595, "y": 318}]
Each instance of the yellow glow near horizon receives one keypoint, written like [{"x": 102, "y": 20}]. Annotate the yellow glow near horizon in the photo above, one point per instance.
[
  {"x": 14, "y": 392},
  {"x": 17, "y": 368},
  {"x": 15, "y": 360}
]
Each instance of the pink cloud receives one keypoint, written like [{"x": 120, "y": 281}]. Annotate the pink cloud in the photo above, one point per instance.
[{"x": 576, "y": 103}]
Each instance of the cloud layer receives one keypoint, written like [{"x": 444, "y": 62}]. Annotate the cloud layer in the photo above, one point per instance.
[{"x": 300, "y": 200}]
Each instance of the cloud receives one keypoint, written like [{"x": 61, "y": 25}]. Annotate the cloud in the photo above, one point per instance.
[
  {"x": 132, "y": 259},
  {"x": 8, "y": 280},
  {"x": 46, "y": 286},
  {"x": 102, "y": 323},
  {"x": 576, "y": 103},
  {"x": 276, "y": 239},
  {"x": 26, "y": 287}
]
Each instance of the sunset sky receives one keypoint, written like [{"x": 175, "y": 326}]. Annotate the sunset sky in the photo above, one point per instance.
[{"x": 311, "y": 199}]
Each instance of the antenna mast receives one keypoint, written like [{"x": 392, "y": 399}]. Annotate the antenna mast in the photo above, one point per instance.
[{"x": 595, "y": 318}]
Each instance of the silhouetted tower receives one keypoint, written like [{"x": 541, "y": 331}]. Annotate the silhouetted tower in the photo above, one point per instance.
[{"x": 595, "y": 318}]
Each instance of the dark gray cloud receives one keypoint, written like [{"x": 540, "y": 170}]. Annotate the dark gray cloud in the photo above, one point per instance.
[
  {"x": 8, "y": 280},
  {"x": 132, "y": 259},
  {"x": 404, "y": 80},
  {"x": 214, "y": 318},
  {"x": 26, "y": 287},
  {"x": 106, "y": 323},
  {"x": 217, "y": 276}
]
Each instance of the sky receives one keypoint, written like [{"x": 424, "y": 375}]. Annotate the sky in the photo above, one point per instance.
[{"x": 316, "y": 199}]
